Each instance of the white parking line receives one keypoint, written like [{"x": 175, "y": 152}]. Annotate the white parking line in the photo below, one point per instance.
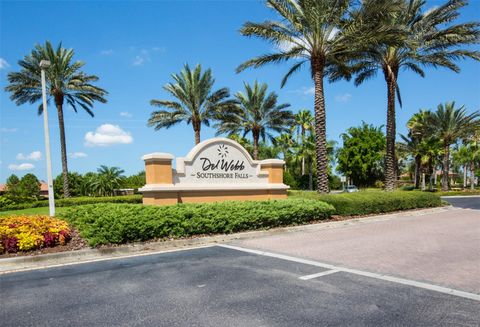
[
  {"x": 403, "y": 281},
  {"x": 320, "y": 274}
]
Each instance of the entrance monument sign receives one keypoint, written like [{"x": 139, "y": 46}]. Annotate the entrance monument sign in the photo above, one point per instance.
[{"x": 218, "y": 169}]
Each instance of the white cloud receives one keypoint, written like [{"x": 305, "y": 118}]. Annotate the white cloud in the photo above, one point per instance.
[
  {"x": 309, "y": 91},
  {"x": 343, "y": 97},
  {"x": 139, "y": 60},
  {"x": 34, "y": 156},
  {"x": 76, "y": 155},
  {"x": 106, "y": 135},
  {"x": 126, "y": 114},
  {"x": 22, "y": 166},
  {"x": 3, "y": 64},
  {"x": 107, "y": 52},
  {"x": 8, "y": 130}
]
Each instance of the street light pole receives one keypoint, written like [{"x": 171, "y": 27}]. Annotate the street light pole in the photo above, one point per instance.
[{"x": 44, "y": 64}]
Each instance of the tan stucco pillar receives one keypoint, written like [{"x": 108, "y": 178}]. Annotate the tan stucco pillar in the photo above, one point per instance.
[
  {"x": 158, "y": 171},
  {"x": 158, "y": 168},
  {"x": 274, "y": 167}
]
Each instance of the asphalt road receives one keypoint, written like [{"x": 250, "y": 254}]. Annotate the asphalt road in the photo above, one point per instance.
[
  {"x": 471, "y": 202},
  {"x": 216, "y": 286}
]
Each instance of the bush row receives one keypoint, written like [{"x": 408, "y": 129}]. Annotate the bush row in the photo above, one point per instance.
[
  {"x": 120, "y": 223},
  {"x": 372, "y": 201},
  {"x": 23, "y": 233},
  {"x": 68, "y": 202}
]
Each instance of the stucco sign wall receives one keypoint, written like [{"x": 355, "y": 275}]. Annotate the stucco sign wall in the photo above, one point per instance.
[{"x": 216, "y": 169}]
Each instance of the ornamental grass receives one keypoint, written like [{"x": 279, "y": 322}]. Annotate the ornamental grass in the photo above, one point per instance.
[{"x": 26, "y": 233}]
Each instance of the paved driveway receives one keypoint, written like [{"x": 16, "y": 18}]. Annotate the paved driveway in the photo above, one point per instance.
[{"x": 439, "y": 248}]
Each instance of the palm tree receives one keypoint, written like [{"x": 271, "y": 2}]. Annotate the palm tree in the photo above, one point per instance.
[
  {"x": 107, "y": 180},
  {"x": 65, "y": 83},
  {"x": 451, "y": 124},
  {"x": 305, "y": 152},
  {"x": 258, "y": 113},
  {"x": 427, "y": 40},
  {"x": 197, "y": 103},
  {"x": 316, "y": 33},
  {"x": 285, "y": 143},
  {"x": 463, "y": 157},
  {"x": 304, "y": 122}
]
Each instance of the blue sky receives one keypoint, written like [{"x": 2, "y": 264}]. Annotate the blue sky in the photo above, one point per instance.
[{"x": 134, "y": 46}]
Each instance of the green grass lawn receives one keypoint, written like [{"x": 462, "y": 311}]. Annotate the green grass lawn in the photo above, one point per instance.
[{"x": 31, "y": 211}]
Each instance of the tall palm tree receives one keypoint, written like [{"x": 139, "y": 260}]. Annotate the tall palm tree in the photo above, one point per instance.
[
  {"x": 197, "y": 103},
  {"x": 427, "y": 39},
  {"x": 319, "y": 34},
  {"x": 451, "y": 124},
  {"x": 65, "y": 83},
  {"x": 258, "y": 113}
]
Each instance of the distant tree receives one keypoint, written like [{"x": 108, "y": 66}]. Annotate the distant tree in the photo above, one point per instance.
[
  {"x": 304, "y": 152},
  {"x": 135, "y": 181},
  {"x": 257, "y": 113},
  {"x": 29, "y": 187},
  {"x": 65, "y": 83},
  {"x": 361, "y": 157},
  {"x": 106, "y": 180},
  {"x": 451, "y": 124},
  {"x": 197, "y": 102},
  {"x": 13, "y": 187},
  {"x": 75, "y": 181}
]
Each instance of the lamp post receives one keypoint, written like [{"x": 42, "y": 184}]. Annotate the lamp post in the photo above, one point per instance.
[{"x": 44, "y": 64}]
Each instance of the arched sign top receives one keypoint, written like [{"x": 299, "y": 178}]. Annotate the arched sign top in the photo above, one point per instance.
[
  {"x": 219, "y": 161},
  {"x": 222, "y": 143}
]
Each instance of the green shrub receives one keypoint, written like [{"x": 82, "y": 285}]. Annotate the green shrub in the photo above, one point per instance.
[
  {"x": 5, "y": 202},
  {"x": 120, "y": 223},
  {"x": 374, "y": 201},
  {"x": 68, "y": 202}
]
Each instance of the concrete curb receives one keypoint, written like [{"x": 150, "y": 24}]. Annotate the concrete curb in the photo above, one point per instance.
[{"x": 25, "y": 263}]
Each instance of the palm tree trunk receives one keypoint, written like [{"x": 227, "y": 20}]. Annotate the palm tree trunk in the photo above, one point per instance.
[
  {"x": 423, "y": 181},
  {"x": 465, "y": 176},
  {"x": 310, "y": 175},
  {"x": 417, "y": 171},
  {"x": 63, "y": 146},
  {"x": 256, "y": 136},
  {"x": 303, "y": 159},
  {"x": 390, "y": 173},
  {"x": 197, "y": 135},
  {"x": 472, "y": 175},
  {"x": 445, "y": 167},
  {"x": 318, "y": 66}
]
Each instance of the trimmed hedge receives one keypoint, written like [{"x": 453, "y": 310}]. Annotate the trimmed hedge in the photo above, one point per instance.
[
  {"x": 68, "y": 202},
  {"x": 373, "y": 201},
  {"x": 121, "y": 223}
]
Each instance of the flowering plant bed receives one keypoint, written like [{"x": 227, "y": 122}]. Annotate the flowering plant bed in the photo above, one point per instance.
[{"x": 26, "y": 233}]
